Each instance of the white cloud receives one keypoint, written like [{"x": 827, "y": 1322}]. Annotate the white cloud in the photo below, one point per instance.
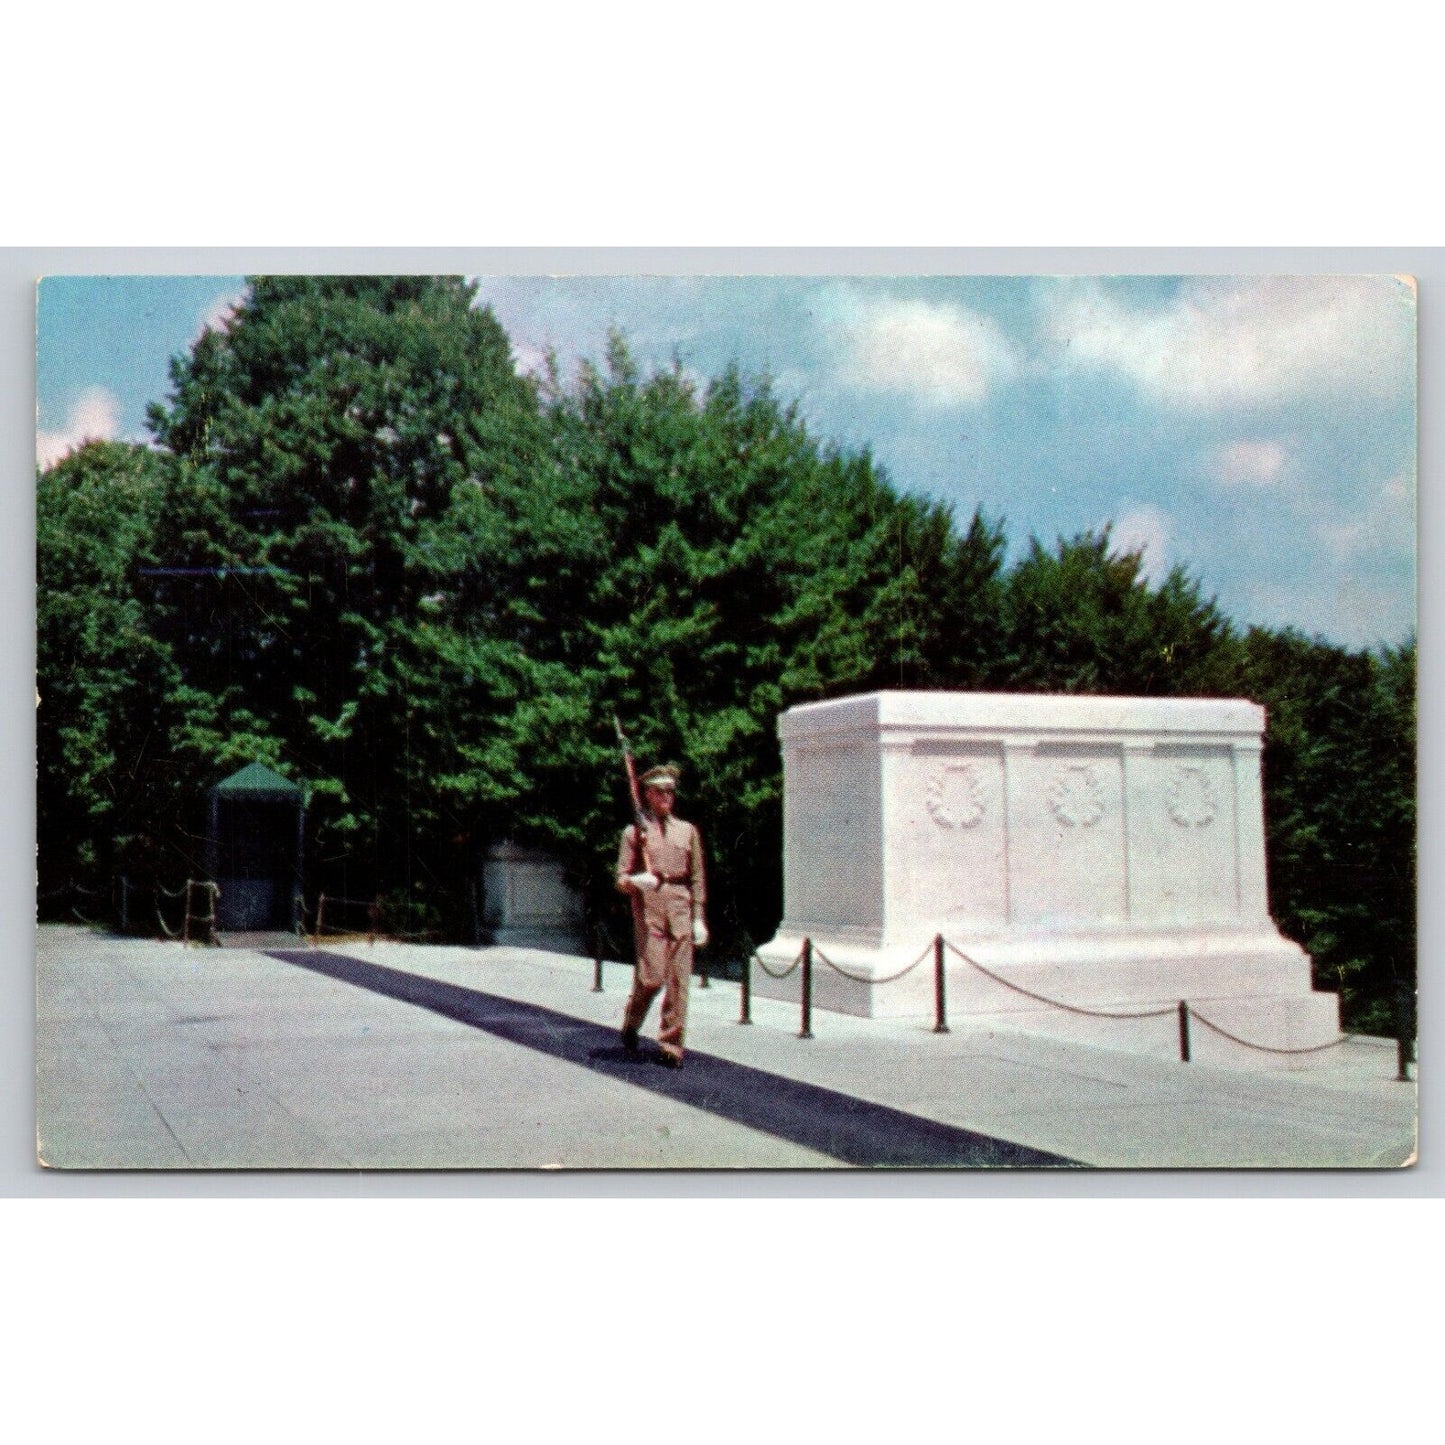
[
  {"x": 1145, "y": 529},
  {"x": 1250, "y": 463},
  {"x": 218, "y": 314},
  {"x": 94, "y": 416},
  {"x": 1240, "y": 341},
  {"x": 938, "y": 353}
]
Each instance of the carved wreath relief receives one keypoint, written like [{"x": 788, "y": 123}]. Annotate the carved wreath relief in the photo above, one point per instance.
[
  {"x": 1076, "y": 797},
  {"x": 1190, "y": 798},
  {"x": 955, "y": 796}
]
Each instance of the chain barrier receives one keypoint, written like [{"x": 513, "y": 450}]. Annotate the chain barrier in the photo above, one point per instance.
[
  {"x": 1265, "y": 1048},
  {"x": 373, "y": 910},
  {"x": 756, "y": 958},
  {"x": 212, "y": 892},
  {"x": 1055, "y": 1003},
  {"x": 160, "y": 917},
  {"x": 863, "y": 977}
]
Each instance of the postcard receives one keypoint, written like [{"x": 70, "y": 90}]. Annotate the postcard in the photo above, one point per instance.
[{"x": 795, "y": 721}]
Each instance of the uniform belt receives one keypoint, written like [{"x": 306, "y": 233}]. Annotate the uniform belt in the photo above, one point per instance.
[{"x": 674, "y": 877}]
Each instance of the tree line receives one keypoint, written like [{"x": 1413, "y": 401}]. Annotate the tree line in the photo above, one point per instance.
[{"x": 367, "y": 553}]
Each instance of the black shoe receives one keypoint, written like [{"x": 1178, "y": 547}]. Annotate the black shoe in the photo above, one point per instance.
[
  {"x": 669, "y": 1061},
  {"x": 629, "y": 1040}
]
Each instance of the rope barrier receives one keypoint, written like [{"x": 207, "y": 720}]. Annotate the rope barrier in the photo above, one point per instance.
[{"x": 1265, "y": 1048}]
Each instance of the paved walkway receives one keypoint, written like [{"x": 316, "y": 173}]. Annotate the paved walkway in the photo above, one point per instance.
[{"x": 392, "y": 1056}]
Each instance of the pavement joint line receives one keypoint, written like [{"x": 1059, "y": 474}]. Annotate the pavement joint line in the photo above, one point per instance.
[
  {"x": 89, "y": 997},
  {"x": 844, "y": 1126}
]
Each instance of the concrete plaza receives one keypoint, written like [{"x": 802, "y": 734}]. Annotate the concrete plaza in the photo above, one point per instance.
[{"x": 395, "y": 1056}]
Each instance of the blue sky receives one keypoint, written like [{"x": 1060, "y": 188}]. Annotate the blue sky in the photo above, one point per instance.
[{"x": 1258, "y": 430}]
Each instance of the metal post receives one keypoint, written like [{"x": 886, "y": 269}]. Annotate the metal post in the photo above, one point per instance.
[
  {"x": 1183, "y": 1032},
  {"x": 298, "y": 901},
  {"x": 596, "y": 962},
  {"x": 320, "y": 915},
  {"x": 940, "y": 1001},
  {"x": 124, "y": 904},
  {"x": 747, "y": 1014},
  {"x": 1402, "y": 1033},
  {"x": 186, "y": 926},
  {"x": 701, "y": 968},
  {"x": 807, "y": 1030}
]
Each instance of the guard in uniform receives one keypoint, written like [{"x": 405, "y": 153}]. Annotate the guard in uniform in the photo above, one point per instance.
[{"x": 660, "y": 864}]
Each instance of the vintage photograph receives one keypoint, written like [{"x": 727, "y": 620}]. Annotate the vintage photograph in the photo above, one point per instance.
[{"x": 765, "y": 722}]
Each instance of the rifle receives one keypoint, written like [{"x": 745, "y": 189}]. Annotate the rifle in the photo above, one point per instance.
[{"x": 639, "y": 813}]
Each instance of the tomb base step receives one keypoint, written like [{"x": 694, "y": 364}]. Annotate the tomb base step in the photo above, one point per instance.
[{"x": 1252, "y": 984}]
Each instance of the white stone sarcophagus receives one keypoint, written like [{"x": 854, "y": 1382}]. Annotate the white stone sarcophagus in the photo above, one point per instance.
[{"x": 1098, "y": 851}]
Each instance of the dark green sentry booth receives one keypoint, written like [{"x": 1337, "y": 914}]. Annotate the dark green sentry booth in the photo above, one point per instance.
[{"x": 258, "y": 824}]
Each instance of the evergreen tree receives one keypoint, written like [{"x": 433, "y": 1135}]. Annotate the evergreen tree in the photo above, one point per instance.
[
  {"x": 105, "y": 795},
  {"x": 347, "y": 443},
  {"x": 1085, "y": 618},
  {"x": 1339, "y": 775}
]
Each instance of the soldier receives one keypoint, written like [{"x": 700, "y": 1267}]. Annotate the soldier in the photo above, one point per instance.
[{"x": 661, "y": 867}]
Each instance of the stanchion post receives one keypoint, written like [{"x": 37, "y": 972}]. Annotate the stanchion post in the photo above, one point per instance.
[
  {"x": 1183, "y": 1032},
  {"x": 747, "y": 1013},
  {"x": 1402, "y": 1032},
  {"x": 186, "y": 926},
  {"x": 701, "y": 968},
  {"x": 320, "y": 914},
  {"x": 806, "y": 1032},
  {"x": 940, "y": 1001},
  {"x": 372, "y": 912},
  {"x": 596, "y": 962}
]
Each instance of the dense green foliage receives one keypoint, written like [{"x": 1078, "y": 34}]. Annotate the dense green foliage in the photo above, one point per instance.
[{"x": 372, "y": 557}]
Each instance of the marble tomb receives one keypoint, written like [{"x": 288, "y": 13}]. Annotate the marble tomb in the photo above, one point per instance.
[{"x": 1104, "y": 852}]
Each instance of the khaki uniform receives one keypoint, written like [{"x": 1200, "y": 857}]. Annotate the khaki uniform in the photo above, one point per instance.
[{"x": 662, "y": 922}]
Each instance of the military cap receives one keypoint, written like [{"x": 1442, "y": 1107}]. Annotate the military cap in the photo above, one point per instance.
[{"x": 663, "y": 777}]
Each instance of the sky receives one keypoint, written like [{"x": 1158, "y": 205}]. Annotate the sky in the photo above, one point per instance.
[{"x": 1259, "y": 431}]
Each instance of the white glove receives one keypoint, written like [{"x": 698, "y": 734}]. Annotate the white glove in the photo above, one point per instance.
[
  {"x": 699, "y": 932},
  {"x": 644, "y": 882}
]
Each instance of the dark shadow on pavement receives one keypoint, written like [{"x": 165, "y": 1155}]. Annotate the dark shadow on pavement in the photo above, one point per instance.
[{"x": 839, "y": 1125}]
